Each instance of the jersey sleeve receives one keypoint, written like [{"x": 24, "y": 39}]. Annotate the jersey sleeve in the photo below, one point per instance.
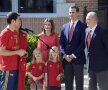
[{"x": 4, "y": 37}]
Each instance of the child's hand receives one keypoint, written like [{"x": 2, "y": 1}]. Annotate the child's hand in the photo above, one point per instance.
[
  {"x": 58, "y": 77},
  {"x": 35, "y": 79}
]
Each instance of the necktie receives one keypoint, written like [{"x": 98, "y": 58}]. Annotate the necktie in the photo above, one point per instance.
[
  {"x": 71, "y": 32},
  {"x": 89, "y": 38}
]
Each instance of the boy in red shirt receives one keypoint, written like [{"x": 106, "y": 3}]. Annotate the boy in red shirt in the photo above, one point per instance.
[
  {"x": 10, "y": 52},
  {"x": 53, "y": 70},
  {"x": 35, "y": 71}
]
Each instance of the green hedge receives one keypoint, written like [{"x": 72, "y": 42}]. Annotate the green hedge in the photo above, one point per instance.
[{"x": 32, "y": 44}]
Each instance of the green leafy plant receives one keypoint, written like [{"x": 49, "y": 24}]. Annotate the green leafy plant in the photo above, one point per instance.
[{"x": 32, "y": 44}]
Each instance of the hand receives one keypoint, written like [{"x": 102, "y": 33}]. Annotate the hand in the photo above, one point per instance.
[
  {"x": 71, "y": 57},
  {"x": 68, "y": 58},
  {"x": 21, "y": 52},
  {"x": 58, "y": 77},
  {"x": 26, "y": 55},
  {"x": 35, "y": 79}
]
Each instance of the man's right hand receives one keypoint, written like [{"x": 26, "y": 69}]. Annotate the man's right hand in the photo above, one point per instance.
[{"x": 21, "y": 52}]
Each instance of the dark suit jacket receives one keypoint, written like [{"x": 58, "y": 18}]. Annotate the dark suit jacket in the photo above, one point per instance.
[
  {"x": 77, "y": 44},
  {"x": 98, "y": 50}
]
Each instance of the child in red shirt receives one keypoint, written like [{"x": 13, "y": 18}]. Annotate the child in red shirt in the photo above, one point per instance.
[
  {"x": 35, "y": 71},
  {"x": 53, "y": 70}
]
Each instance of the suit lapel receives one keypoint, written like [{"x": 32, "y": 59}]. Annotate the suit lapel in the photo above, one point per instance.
[
  {"x": 93, "y": 37},
  {"x": 67, "y": 30},
  {"x": 76, "y": 28}
]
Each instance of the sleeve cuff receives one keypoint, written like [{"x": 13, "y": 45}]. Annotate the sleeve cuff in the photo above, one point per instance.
[{"x": 74, "y": 55}]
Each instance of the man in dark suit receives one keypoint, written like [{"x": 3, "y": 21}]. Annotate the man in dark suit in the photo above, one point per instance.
[
  {"x": 97, "y": 53},
  {"x": 72, "y": 43}
]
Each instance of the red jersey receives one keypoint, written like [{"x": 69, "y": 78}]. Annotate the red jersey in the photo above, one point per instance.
[
  {"x": 10, "y": 40},
  {"x": 53, "y": 69},
  {"x": 36, "y": 70},
  {"x": 51, "y": 40}
]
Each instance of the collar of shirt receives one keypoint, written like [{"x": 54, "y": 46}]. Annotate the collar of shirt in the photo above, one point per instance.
[
  {"x": 74, "y": 23},
  {"x": 92, "y": 30}
]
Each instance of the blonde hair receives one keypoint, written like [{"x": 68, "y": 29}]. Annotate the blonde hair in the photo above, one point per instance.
[
  {"x": 37, "y": 50},
  {"x": 54, "y": 49}
]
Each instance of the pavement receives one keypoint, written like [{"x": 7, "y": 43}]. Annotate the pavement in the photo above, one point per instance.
[{"x": 86, "y": 79}]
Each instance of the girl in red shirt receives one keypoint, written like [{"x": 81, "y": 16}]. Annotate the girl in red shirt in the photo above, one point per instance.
[
  {"x": 53, "y": 70},
  {"x": 35, "y": 71}
]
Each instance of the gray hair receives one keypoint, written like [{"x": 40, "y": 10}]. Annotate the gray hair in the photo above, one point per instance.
[{"x": 93, "y": 15}]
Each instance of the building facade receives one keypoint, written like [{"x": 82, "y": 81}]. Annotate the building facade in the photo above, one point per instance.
[{"x": 33, "y": 12}]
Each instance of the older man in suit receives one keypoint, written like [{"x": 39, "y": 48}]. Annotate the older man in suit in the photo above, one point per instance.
[
  {"x": 97, "y": 53},
  {"x": 72, "y": 48}
]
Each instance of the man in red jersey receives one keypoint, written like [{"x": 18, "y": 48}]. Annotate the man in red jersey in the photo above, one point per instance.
[{"x": 10, "y": 52}]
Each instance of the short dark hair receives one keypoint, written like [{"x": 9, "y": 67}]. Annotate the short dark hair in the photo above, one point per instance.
[
  {"x": 12, "y": 15},
  {"x": 77, "y": 8}
]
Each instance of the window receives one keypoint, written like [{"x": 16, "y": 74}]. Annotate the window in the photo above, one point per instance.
[
  {"x": 5, "y": 5},
  {"x": 35, "y": 6}
]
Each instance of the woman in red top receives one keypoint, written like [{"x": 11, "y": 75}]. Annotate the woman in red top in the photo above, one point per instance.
[
  {"x": 53, "y": 70},
  {"x": 35, "y": 71},
  {"x": 49, "y": 37}
]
